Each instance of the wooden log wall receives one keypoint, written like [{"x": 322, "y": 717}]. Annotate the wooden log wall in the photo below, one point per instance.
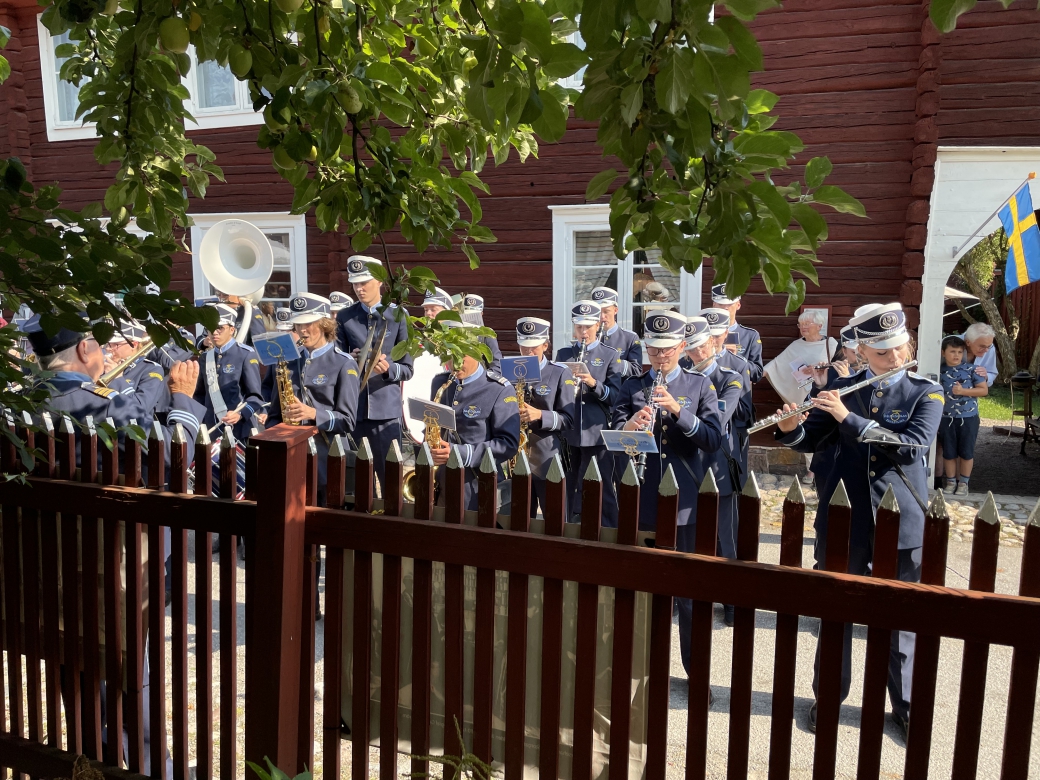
[{"x": 871, "y": 85}]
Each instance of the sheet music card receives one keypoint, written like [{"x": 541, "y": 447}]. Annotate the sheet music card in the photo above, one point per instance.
[
  {"x": 274, "y": 346},
  {"x": 419, "y": 408},
  {"x": 629, "y": 442},
  {"x": 527, "y": 368}
]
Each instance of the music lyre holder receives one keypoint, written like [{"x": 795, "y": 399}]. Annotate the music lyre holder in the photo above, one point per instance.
[
  {"x": 525, "y": 368},
  {"x": 274, "y": 347},
  {"x": 632, "y": 443}
]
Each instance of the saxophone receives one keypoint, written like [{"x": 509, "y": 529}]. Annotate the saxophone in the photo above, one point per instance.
[
  {"x": 525, "y": 432},
  {"x": 433, "y": 430},
  {"x": 286, "y": 396}
]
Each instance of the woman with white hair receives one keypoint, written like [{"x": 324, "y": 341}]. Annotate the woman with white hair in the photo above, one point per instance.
[{"x": 981, "y": 351}]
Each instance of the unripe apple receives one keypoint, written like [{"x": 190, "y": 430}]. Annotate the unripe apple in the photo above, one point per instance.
[
  {"x": 348, "y": 98},
  {"x": 173, "y": 33},
  {"x": 282, "y": 158},
  {"x": 194, "y": 21},
  {"x": 240, "y": 60},
  {"x": 288, "y": 6}
]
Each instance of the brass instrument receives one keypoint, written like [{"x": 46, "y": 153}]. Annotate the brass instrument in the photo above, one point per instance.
[
  {"x": 114, "y": 373},
  {"x": 432, "y": 436},
  {"x": 525, "y": 428},
  {"x": 286, "y": 395},
  {"x": 773, "y": 419},
  {"x": 654, "y": 406}
]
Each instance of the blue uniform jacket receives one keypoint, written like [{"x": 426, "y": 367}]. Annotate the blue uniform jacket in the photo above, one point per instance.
[
  {"x": 238, "y": 377},
  {"x": 749, "y": 347},
  {"x": 135, "y": 373},
  {"x": 170, "y": 353},
  {"x": 487, "y": 419},
  {"x": 909, "y": 405},
  {"x": 627, "y": 343},
  {"x": 744, "y": 416},
  {"x": 554, "y": 395},
  {"x": 75, "y": 395},
  {"x": 592, "y": 405},
  {"x": 688, "y": 442},
  {"x": 381, "y": 399},
  {"x": 729, "y": 386}
]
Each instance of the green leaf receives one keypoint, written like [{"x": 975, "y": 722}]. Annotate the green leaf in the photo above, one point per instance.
[
  {"x": 361, "y": 241},
  {"x": 944, "y": 13},
  {"x": 565, "y": 59},
  {"x": 552, "y": 124},
  {"x": 600, "y": 184},
  {"x": 471, "y": 253},
  {"x": 673, "y": 81},
  {"x": 816, "y": 170},
  {"x": 839, "y": 200},
  {"x": 536, "y": 32},
  {"x": 385, "y": 72},
  {"x": 655, "y": 10},
  {"x": 631, "y": 101},
  {"x": 743, "y": 42},
  {"x": 597, "y": 22},
  {"x": 812, "y": 223},
  {"x": 748, "y": 9},
  {"x": 773, "y": 201},
  {"x": 760, "y": 101}
]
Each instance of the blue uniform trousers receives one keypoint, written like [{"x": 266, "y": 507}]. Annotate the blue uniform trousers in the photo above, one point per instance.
[
  {"x": 901, "y": 651},
  {"x": 727, "y": 528},
  {"x": 380, "y": 434},
  {"x": 685, "y": 538},
  {"x": 580, "y": 459}
]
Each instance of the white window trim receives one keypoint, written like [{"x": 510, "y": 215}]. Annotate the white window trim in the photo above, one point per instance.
[
  {"x": 56, "y": 131},
  {"x": 568, "y": 220},
  {"x": 280, "y": 220},
  {"x": 205, "y": 119}
]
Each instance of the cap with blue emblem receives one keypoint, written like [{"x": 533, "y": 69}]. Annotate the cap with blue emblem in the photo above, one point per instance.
[
  {"x": 718, "y": 295},
  {"x": 883, "y": 327},
  {"x": 473, "y": 303},
  {"x": 438, "y": 296},
  {"x": 228, "y": 315},
  {"x": 848, "y": 337},
  {"x": 585, "y": 313},
  {"x": 718, "y": 320},
  {"x": 283, "y": 318},
  {"x": 663, "y": 328},
  {"x": 338, "y": 301},
  {"x": 864, "y": 309},
  {"x": 697, "y": 332},
  {"x": 357, "y": 268},
  {"x": 531, "y": 331},
  {"x": 308, "y": 307},
  {"x": 605, "y": 296}
]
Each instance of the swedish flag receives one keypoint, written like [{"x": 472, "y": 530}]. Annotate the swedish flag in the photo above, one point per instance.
[{"x": 1023, "y": 260}]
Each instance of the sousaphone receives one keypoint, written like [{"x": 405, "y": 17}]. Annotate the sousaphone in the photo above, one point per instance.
[{"x": 237, "y": 259}]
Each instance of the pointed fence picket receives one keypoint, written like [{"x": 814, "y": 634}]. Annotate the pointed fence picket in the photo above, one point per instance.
[{"x": 106, "y": 573}]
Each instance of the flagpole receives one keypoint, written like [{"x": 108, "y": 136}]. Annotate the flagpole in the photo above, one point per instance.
[{"x": 958, "y": 250}]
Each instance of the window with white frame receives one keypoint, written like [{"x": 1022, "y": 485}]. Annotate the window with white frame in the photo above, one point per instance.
[
  {"x": 217, "y": 98},
  {"x": 583, "y": 259},
  {"x": 288, "y": 236}
]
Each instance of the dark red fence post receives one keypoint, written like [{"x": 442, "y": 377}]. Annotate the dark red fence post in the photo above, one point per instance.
[
  {"x": 272, "y": 666},
  {"x": 179, "y": 609},
  {"x": 203, "y": 615},
  {"x": 422, "y": 619},
  {"x": 555, "y": 513},
  {"x": 587, "y": 639},
  {"x": 484, "y": 639},
  {"x": 360, "y": 712},
  {"x": 228, "y": 597},
  {"x": 335, "y": 491},
  {"x": 390, "y": 651}
]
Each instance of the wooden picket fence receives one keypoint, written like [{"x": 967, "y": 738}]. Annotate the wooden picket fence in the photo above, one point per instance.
[{"x": 52, "y": 523}]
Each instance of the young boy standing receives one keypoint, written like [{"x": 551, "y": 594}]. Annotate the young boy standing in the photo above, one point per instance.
[{"x": 960, "y": 419}]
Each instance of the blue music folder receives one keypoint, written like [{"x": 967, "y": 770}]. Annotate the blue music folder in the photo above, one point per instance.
[
  {"x": 629, "y": 442},
  {"x": 274, "y": 346},
  {"x": 522, "y": 367}
]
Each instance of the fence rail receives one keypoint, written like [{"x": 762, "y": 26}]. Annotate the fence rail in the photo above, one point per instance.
[{"x": 69, "y": 533}]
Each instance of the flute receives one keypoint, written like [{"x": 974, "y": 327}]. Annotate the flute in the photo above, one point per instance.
[{"x": 773, "y": 419}]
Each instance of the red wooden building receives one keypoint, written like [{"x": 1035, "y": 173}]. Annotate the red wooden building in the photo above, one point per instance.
[{"x": 871, "y": 85}]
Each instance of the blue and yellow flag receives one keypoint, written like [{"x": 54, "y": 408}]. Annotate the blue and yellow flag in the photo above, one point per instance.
[{"x": 1023, "y": 260}]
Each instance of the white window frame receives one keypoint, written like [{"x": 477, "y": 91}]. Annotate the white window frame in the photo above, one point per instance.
[
  {"x": 594, "y": 217},
  {"x": 56, "y": 129},
  {"x": 295, "y": 224},
  {"x": 242, "y": 115}
]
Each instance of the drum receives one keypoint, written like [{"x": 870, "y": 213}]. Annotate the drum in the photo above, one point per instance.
[
  {"x": 424, "y": 369},
  {"x": 240, "y": 471}
]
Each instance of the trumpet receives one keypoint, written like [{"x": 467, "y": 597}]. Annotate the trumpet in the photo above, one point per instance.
[
  {"x": 116, "y": 371},
  {"x": 773, "y": 419}
]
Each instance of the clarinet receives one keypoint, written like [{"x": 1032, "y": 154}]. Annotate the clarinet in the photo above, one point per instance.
[
  {"x": 581, "y": 359},
  {"x": 654, "y": 406}
]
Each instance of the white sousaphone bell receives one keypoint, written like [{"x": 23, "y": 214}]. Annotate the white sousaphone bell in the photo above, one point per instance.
[{"x": 237, "y": 259}]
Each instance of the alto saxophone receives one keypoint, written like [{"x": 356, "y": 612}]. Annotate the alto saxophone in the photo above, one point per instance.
[
  {"x": 525, "y": 428},
  {"x": 286, "y": 396},
  {"x": 433, "y": 428}
]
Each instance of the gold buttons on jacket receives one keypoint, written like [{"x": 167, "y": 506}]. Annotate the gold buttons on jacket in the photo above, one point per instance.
[
  {"x": 879, "y": 394},
  {"x": 874, "y": 410}
]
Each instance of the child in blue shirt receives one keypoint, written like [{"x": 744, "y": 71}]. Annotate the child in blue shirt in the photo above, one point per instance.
[{"x": 960, "y": 420}]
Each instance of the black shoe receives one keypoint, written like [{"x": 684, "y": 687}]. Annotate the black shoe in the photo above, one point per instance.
[
  {"x": 811, "y": 722},
  {"x": 727, "y": 614},
  {"x": 902, "y": 724}
]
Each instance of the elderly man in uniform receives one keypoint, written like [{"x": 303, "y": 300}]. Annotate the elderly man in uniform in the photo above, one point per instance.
[
  {"x": 597, "y": 389},
  {"x": 730, "y": 387},
  {"x": 549, "y": 407},
  {"x": 229, "y": 380},
  {"x": 486, "y": 418},
  {"x": 379, "y": 407},
  {"x": 624, "y": 341},
  {"x": 687, "y": 430},
  {"x": 740, "y": 340},
  {"x": 883, "y": 431}
]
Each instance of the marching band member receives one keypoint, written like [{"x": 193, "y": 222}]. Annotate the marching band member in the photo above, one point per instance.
[
  {"x": 379, "y": 407},
  {"x": 624, "y": 341},
  {"x": 686, "y": 427},
  {"x": 549, "y": 407},
  {"x": 229, "y": 378},
  {"x": 324, "y": 378},
  {"x": 283, "y": 324},
  {"x": 436, "y": 301},
  {"x": 718, "y": 326},
  {"x": 283, "y": 319},
  {"x": 486, "y": 417},
  {"x": 748, "y": 342},
  {"x": 338, "y": 301},
  {"x": 906, "y": 407},
  {"x": 120, "y": 347},
  {"x": 702, "y": 351},
  {"x": 597, "y": 390},
  {"x": 473, "y": 311}
]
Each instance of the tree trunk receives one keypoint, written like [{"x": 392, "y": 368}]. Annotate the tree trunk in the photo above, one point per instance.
[
  {"x": 1034, "y": 362},
  {"x": 1005, "y": 342}
]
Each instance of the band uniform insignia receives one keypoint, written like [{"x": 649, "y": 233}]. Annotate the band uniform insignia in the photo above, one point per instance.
[
  {"x": 160, "y": 377},
  {"x": 938, "y": 397},
  {"x": 735, "y": 383},
  {"x": 254, "y": 360},
  {"x": 320, "y": 379},
  {"x": 684, "y": 401},
  {"x": 473, "y": 411},
  {"x": 597, "y": 362},
  {"x": 104, "y": 392},
  {"x": 712, "y": 386},
  {"x": 568, "y": 381},
  {"x": 509, "y": 399},
  {"x": 896, "y": 416},
  {"x": 542, "y": 390},
  {"x": 229, "y": 368},
  {"x": 351, "y": 372}
]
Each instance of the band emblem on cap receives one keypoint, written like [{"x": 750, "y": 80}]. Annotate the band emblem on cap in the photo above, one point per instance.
[
  {"x": 357, "y": 265},
  {"x": 299, "y": 304},
  {"x": 527, "y": 327},
  {"x": 584, "y": 309},
  {"x": 888, "y": 321},
  {"x": 660, "y": 323},
  {"x": 711, "y": 317},
  {"x": 471, "y": 300}
]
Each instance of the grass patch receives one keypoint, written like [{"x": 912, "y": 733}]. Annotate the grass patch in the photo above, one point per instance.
[{"x": 997, "y": 405}]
